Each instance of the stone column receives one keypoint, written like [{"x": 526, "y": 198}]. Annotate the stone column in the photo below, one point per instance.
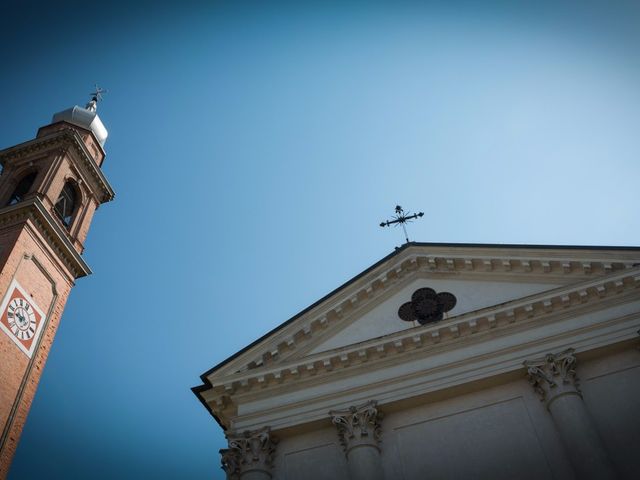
[
  {"x": 250, "y": 455},
  {"x": 359, "y": 433},
  {"x": 554, "y": 379}
]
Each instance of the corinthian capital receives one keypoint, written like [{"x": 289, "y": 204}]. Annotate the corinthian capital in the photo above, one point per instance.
[
  {"x": 358, "y": 425},
  {"x": 230, "y": 459},
  {"x": 250, "y": 450},
  {"x": 553, "y": 375}
]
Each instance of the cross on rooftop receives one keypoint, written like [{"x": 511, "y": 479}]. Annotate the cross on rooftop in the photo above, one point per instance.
[
  {"x": 96, "y": 96},
  {"x": 402, "y": 218}
]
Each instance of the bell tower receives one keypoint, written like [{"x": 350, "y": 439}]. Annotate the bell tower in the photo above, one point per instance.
[{"x": 50, "y": 188}]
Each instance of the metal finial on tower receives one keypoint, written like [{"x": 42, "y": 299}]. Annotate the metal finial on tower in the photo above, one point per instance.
[
  {"x": 402, "y": 218},
  {"x": 96, "y": 96}
]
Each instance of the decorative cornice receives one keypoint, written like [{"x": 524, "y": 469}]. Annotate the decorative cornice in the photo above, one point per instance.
[
  {"x": 351, "y": 302},
  {"x": 358, "y": 426},
  {"x": 278, "y": 356},
  {"x": 230, "y": 463},
  {"x": 509, "y": 315},
  {"x": 65, "y": 137},
  {"x": 554, "y": 375},
  {"x": 57, "y": 238},
  {"x": 250, "y": 450},
  {"x": 437, "y": 372}
]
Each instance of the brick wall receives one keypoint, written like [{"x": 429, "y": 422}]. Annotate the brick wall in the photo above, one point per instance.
[{"x": 48, "y": 283}]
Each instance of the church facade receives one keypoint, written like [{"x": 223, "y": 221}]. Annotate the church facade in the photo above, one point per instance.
[
  {"x": 446, "y": 361},
  {"x": 50, "y": 188}
]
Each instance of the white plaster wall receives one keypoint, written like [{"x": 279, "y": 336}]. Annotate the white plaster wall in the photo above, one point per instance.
[
  {"x": 470, "y": 295},
  {"x": 499, "y": 433},
  {"x": 315, "y": 455},
  {"x": 502, "y": 432},
  {"x": 611, "y": 390},
  {"x": 494, "y": 441}
]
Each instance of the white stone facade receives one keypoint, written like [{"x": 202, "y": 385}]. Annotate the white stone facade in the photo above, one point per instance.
[{"x": 535, "y": 373}]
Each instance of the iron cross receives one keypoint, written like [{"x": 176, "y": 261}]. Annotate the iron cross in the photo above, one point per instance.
[
  {"x": 97, "y": 95},
  {"x": 402, "y": 218}
]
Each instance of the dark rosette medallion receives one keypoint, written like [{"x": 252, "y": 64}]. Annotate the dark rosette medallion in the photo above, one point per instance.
[{"x": 426, "y": 306}]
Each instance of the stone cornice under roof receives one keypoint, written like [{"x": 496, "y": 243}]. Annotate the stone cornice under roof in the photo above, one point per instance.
[
  {"x": 559, "y": 299},
  {"x": 57, "y": 238},
  {"x": 223, "y": 397},
  {"x": 352, "y": 297},
  {"x": 523, "y": 259},
  {"x": 67, "y": 137}
]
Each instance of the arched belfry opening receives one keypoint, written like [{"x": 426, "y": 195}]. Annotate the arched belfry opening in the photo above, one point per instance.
[
  {"x": 22, "y": 188},
  {"x": 67, "y": 203}
]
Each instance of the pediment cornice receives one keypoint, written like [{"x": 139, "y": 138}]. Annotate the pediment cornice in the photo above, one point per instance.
[
  {"x": 591, "y": 295},
  {"x": 539, "y": 265}
]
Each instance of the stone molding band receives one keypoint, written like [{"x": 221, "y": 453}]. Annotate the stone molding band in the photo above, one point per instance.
[
  {"x": 429, "y": 264},
  {"x": 359, "y": 429},
  {"x": 571, "y": 297}
]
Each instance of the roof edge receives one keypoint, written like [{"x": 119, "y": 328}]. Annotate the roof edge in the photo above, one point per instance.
[
  {"x": 391, "y": 255},
  {"x": 206, "y": 384},
  {"x": 302, "y": 312},
  {"x": 523, "y": 245}
]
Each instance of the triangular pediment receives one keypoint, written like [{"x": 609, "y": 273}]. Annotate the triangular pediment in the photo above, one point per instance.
[
  {"x": 382, "y": 318},
  {"x": 481, "y": 277},
  {"x": 501, "y": 291}
]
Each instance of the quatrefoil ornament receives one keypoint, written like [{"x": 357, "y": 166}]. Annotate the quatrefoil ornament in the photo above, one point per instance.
[{"x": 427, "y": 306}]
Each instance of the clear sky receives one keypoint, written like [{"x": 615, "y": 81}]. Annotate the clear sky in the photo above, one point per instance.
[{"x": 255, "y": 147}]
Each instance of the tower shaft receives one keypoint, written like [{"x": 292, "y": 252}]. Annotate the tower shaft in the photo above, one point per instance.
[{"x": 50, "y": 188}]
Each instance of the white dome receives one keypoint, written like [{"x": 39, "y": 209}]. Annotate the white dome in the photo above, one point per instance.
[{"x": 83, "y": 118}]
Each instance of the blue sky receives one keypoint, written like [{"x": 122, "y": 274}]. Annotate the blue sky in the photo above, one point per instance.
[{"x": 254, "y": 149}]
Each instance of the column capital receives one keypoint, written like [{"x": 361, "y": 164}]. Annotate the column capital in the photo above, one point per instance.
[
  {"x": 553, "y": 375},
  {"x": 248, "y": 451},
  {"x": 358, "y": 425}
]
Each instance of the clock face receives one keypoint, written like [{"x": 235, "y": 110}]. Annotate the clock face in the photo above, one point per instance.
[{"x": 21, "y": 318}]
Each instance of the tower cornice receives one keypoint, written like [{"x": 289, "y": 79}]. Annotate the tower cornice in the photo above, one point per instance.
[
  {"x": 66, "y": 137},
  {"x": 57, "y": 237}
]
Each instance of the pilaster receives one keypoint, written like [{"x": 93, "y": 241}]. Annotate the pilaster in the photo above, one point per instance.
[
  {"x": 554, "y": 378},
  {"x": 359, "y": 431},
  {"x": 250, "y": 455}
]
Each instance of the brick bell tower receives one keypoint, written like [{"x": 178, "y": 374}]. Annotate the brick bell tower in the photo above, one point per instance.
[{"x": 50, "y": 188}]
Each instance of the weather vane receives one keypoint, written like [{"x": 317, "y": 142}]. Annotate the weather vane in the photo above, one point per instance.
[
  {"x": 95, "y": 98},
  {"x": 402, "y": 218}
]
